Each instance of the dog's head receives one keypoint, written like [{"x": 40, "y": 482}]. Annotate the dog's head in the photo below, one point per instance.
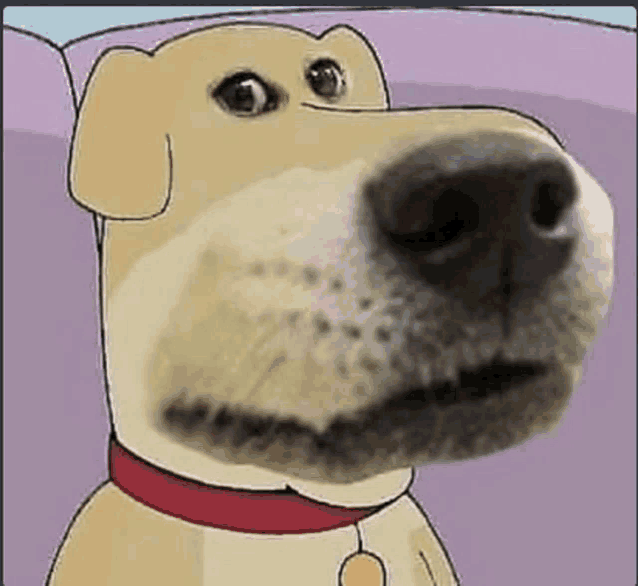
[{"x": 298, "y": 278}]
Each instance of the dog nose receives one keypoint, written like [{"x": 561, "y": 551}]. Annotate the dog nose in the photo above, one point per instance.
[{"x": 480, "y": 217}]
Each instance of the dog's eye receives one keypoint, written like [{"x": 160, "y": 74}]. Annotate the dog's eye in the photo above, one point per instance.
[
  {"x": 246, "y": 94},
  {"x": 326, "y": 79}
]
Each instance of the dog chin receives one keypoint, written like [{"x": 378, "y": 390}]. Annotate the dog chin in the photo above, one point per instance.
[{"x": 486, "y": 410}]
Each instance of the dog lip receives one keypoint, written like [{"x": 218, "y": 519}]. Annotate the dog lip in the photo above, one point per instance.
[
  {"x": 497, "y": 377},
  {"x": 414, "y": 423}
]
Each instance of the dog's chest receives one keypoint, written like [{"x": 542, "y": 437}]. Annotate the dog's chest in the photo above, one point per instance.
[{"x": 395, "y": 547}]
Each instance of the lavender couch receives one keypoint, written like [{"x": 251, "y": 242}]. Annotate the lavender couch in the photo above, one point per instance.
[{"x": 559, "y": 510}]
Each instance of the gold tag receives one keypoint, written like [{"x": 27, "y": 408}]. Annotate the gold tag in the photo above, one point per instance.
[{"x": 362, "y": 569}]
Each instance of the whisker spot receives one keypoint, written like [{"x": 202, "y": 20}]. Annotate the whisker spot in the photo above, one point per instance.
[
  {"x": 336, "y": 285},
  {"x": 293, "y": 318},
  {"x": 365, "y": 303},
  {"x": 310, "y": 275},
  {"x": 258, "y": 269},
  {"x": 382, "y": 334},
  {"x": 370, "y": 365},
  {"x": 322, "y": 325},
  {"x": 351, "y": 331}
]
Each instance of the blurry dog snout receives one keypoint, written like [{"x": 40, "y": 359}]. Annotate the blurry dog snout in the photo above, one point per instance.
[{"x": 483, "y": 217}]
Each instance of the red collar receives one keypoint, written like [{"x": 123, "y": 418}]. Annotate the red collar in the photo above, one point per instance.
[{"x": 247, "y": 511}]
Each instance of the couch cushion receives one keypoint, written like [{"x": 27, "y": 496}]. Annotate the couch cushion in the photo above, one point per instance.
[
  {"x": 36, "y": 90},
  {"x": 55, "y": 422}
]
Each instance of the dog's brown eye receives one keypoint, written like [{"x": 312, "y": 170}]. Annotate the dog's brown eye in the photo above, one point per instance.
[
  {"x": 246, "y": 94},
  {"x": 326, "y": 79}
]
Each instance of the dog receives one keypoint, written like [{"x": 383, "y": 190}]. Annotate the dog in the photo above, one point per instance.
[{"x": 306, "y": 295}]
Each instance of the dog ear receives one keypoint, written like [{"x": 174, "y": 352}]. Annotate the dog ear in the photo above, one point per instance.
[
  {"x": 120, "y": 163},
  {"x": 372, "y": 89}
]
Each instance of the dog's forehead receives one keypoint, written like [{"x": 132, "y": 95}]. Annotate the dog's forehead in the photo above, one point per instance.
[{"x": 250, "y": 41}]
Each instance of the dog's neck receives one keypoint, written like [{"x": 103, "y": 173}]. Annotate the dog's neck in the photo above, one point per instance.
[
  {"x": 165, "y": 490},
  {"x": 247, "y": 511}
]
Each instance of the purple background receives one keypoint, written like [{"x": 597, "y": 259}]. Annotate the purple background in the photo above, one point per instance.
[{"x": 559, "y": 510}]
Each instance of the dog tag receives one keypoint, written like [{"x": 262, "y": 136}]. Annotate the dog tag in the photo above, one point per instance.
[{"x": 362, "y": 569}]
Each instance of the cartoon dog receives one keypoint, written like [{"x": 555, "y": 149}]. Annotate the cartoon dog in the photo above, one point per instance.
[{"x": 305, "y": 295}]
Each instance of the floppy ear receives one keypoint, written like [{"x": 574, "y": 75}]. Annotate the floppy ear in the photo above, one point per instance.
[
  {"x": 370, "y": 86},
  {"x": 120, "y": 164}
]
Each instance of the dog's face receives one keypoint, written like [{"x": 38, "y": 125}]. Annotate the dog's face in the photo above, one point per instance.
[{"x": 298, "y": 279}]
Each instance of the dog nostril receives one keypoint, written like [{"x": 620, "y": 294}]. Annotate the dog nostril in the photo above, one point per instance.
[
  {"x": 548, "y": 203},
  {"x": 452, "y": 214}
]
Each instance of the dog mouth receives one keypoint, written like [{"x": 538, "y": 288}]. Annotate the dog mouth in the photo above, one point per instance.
[
  {"x": 497, "y": 377},
  {"x": 485, "y": 410},
  {"x": 424, "y": 418}
]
